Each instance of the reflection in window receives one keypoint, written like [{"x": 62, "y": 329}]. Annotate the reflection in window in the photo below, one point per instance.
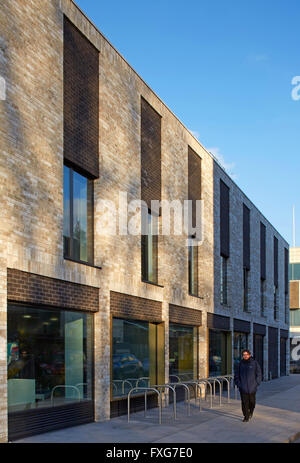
[
  {"x": 182, "y": 352},
  {"x": 149, "y": 247},
  {"x": 78, "y": 216},
  {"x": 240, "y": 342},
  {"x": 49, "y": 357},
  {"x": 130, "y": 355},
  {"x": 218, "y": 345},
  {"x": 193, "y": 267}
]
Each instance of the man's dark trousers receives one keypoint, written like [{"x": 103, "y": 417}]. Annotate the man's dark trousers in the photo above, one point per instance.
[{"x": 248, "y": 403}]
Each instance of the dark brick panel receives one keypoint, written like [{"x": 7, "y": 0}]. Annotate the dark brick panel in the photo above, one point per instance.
[
  {"x": 194, "y": 181},
  {"x": 286, "y": 270},
  {"x": 284, "y": 334},
  {"x": 224, "y": 220},
  {"x": 37, "y": 289},
  {"x": 246, "y": 237},
  {"x": 138, "y": 308},
  {"x": 81, "y": 101},
  {"x": 262, "y": 251},
  {"x": 218, "y": 322},
  {"x": 150, "y": 153},
  {"x": 184, "y": 315},
  {"x": 259, "y": 329},
  {"x": 275, "y": 261},
  {"x": 241, "y": 325},
  {"x": 137, "y": 404}
]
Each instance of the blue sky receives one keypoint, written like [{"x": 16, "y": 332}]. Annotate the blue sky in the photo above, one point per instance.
[{"x": 225, "y": 68}]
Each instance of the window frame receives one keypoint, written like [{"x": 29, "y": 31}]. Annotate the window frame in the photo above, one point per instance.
[
  {"x": 145, "y": 250},
  {"x": 90, "y": 221},
  {"x": 193, "y": 283}
]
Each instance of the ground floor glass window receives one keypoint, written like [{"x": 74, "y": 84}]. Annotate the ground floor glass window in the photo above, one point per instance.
[
  {"x": 218, "y": 352},
  {"x": 49, "y": 357},
  {"x": 182, "y": 352},
  {"x": 137, "y": 354}
]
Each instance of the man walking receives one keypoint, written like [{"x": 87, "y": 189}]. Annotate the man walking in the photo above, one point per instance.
[{"x": 247, "y": 378}]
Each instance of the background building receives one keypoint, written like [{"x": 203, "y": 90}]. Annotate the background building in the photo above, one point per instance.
[
  {"x": 83, "y": 313},
  {"x": 295, "y": 309}
]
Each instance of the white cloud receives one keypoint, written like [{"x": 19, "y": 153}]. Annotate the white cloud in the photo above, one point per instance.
[
  {"x": 257, "y": 58},
  {"x": 229, "y": 167}
]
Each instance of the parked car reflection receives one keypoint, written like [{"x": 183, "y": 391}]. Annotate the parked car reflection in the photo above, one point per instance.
[{"x": 127, "y": 365}]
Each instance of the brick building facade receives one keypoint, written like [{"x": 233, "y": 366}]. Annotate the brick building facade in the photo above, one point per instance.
[{"x": 78, "y": 125}]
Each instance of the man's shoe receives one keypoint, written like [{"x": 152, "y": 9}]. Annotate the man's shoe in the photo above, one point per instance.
[
  {"x": 250, "y": 416},
  {"x": 245, "y": 420}
]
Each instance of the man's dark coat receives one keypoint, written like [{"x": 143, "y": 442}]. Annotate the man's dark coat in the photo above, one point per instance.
[{"x": 248, "y": 376}]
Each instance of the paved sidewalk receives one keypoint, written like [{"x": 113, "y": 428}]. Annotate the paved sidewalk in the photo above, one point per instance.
[{"x": 276, "y": 419}]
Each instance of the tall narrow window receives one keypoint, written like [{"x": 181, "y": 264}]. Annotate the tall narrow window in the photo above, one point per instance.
[
  {"x": 78, "y": 216},
  {"x": 223, "y": 280},
  {"x": 224, "y": 220},
  {"x": 193, "y": 268},
  {"x": 262, "y": 267},
  {"x": 150, "y": 249},
  {"x": 275, "y": 278},
  {"x": 246, "y": 255},
  {"x": 194, "y": 195},
  {"x": 150, "y": 188},
  {"x": 224, "y": 241}
]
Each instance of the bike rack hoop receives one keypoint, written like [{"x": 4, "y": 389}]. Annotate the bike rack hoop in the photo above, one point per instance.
[
  {"x": 63, "y": 386},
  {"x": 145, "y": 389}
]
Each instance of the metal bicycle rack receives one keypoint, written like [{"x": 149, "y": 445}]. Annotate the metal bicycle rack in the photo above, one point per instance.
[
  {"x": 143, "y": 378},
  {"x": 115, "y": 386},
  {"x": 166, "y": 386},
  {"x": 197, "y": 384},
  {"x": 123, "y": 382},
  {"x": 188, "y": 394},
  {"x": 63, "y": 386},
  {"x": 184, "y": 375},
  {"x": 206, "y": 382},
  {"x": 81, "y": 385},
  {"x": 224, "y": 378},
  {"x": 215, "y": 379},
  {"x": 145, "y": 389},
  {"x": 232, "y": 385}
]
